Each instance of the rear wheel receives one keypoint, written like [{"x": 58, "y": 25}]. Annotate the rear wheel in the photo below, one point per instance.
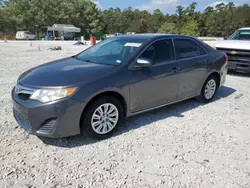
[
  {"x": 102, "y": 117},
  {"x": 209, "y": 89}
]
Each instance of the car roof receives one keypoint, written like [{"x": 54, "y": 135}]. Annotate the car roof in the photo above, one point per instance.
[
  {"x": 245, "y": 28},
  {"x": 147, "y": 36}
]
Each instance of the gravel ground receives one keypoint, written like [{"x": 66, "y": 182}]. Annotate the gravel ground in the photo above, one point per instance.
[{"x": 182, "y": 145}]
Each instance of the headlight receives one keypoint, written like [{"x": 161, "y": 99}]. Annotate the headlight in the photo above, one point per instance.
[{"x": 48, "y": 95}]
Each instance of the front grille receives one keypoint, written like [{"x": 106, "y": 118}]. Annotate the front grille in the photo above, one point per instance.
[
  {"x": 24, "y": 96},
  {"x": 47, "y": 126},
  {"x": 20, "y": 109},
  {"x": 23, "y": 93},
  {"x": 241, "y": 56}
]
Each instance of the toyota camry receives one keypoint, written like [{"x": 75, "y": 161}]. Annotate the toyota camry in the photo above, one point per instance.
[{"x": 93, "y": 91}]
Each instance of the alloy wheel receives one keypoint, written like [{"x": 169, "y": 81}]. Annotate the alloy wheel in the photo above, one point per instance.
[
  {"x": 210, "y": 89},
  {"x": 105, "y": 118}
]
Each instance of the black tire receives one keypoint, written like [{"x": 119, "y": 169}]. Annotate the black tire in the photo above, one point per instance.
[
  {"x": 86, "y": 126},
  {"x": 202, "y": 98}
]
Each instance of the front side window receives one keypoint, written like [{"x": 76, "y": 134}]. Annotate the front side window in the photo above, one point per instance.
[
  {"x": 241, "y": 35},
  {"x": 186, "y": 48},
  {"x": 111, "y": 51},
  {"x": 160, "y": 52}
]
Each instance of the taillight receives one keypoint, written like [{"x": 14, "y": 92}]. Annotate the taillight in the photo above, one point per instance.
[{"x": 226, "y": 57}]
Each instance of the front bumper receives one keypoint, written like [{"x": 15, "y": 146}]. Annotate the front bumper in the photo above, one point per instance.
[
  {"x": 56, "y": 119},
  {"x": 239, "y": 66}
]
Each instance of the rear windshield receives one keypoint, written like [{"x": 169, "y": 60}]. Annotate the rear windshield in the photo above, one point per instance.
[
  {"x": 241, "y": 35},
  {"x": 111, "y": 51}
]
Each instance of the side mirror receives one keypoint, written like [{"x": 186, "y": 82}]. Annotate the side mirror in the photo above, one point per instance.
[{"x": 143, "y": 62}]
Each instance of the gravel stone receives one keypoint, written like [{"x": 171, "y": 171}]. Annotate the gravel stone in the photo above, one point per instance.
[{"x": 182, "y": 145}]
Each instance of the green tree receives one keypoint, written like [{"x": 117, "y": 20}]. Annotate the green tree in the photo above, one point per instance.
[
  {"x": 112, "y": 19},
  {"x": 190, "y": 10},
  {"x": 156, "y": 21},
  {"x": 135, "y": 26},
  {"x": 168, "y": 28},
  {"x": 32, "y": 15},
  {"x": 180, "y": 17},
  {"x": 83, "y": 14},
  {"x": 128, "y": 17},
  {"x": 190, "y": 28}
]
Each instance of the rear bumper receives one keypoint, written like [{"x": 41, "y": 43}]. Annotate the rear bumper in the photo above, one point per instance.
[
  {"x": 223, "y": 78},
  {"x": 239, "y": 67},
  {"x": 55, "y": 120},
  {"x": 223, "y": 74}
]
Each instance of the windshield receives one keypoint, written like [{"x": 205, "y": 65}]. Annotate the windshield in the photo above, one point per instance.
[
  {"x": 111, "y": 51},
  {"x": 241, "y": 35}
]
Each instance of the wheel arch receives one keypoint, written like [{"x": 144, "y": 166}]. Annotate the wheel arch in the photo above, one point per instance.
[
  {"x": 109, "y": 93},
  {"x": 217, "y": 76},
  {"x": 213, "y": 73}
]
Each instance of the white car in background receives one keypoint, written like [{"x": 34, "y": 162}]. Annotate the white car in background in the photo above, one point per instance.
[
  {"x": 25, "y": 35},
  {"x": 237, "y": 47},
  {"x": 108, "y": 35},
  {"x": 130, "y": 33},
  {"x": 113, "y": 35}
]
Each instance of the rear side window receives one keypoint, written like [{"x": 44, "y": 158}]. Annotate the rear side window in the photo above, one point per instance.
[
  {"x": 186, "y": 48},
  {"x": 202, "y": 51},
  {"x": 160, "y": 51},
  {"x": 207, "y": 47}
]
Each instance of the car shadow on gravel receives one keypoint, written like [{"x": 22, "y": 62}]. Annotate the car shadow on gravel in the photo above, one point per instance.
[{"x": 143, "y": 119}]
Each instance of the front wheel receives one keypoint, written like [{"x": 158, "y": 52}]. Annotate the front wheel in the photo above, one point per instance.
[
  {"x": 209, "y": 89},
  {"x": 102, "y": 117}
]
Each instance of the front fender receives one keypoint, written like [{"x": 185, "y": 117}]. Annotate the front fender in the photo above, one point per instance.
[{"x": 88, "y": 92}]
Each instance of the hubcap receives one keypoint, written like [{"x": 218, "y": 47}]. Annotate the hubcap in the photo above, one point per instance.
[
  {"x": 210, "y": 89},
  {"x": 105, "y": 118}
]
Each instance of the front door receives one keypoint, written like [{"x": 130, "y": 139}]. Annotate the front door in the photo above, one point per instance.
[{"x": 156, "y": 85}]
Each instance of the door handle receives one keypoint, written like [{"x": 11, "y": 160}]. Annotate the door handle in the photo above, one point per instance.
[{"x": 175, "y": 69}]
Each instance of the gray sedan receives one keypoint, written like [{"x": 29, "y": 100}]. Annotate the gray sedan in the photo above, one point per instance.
[{"x": 93, "y": 91}]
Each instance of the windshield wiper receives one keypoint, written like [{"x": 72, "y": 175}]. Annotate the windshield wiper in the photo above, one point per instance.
[
  {"x": 87, "y": 60},
  {"x": 90, "y": 61}
]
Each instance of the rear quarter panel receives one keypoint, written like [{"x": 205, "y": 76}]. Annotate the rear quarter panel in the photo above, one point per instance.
[{"x": 218, "y": 65}]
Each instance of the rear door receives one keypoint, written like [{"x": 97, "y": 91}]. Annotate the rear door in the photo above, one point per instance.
[{"x": 193, "y": 66}]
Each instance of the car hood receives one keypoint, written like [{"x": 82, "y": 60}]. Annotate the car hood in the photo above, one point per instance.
[
  {"x": 234, "y": 44},
  {"x": 64, "y": 72}
]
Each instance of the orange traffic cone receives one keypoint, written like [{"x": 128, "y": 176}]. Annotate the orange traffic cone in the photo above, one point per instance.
[{"x": 38, "y": 48}]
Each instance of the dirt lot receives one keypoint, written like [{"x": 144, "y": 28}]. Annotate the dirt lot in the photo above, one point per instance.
[{"x": 182, "y": 145}]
